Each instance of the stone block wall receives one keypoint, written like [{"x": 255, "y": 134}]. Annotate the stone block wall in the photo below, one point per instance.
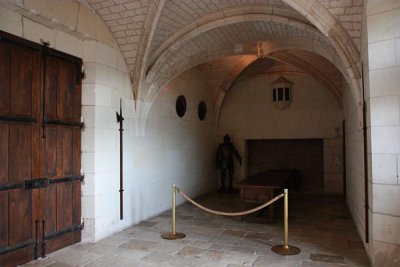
[
  {"x": 383, "y": 44},
  {"x": 105, "y": 84},
  {"x": 354, "y": 161}
]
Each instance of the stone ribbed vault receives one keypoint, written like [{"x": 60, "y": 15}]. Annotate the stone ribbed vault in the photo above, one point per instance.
[{"x": 161, "y": 39}]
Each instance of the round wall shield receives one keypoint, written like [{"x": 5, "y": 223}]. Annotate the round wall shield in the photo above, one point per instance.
[
  {"x": 180, "y": 106},
  {"x": 202, "y": 110}
]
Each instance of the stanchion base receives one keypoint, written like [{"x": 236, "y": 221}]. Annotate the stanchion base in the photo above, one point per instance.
[
  {"x": 172, "y": 236},
  {"x": 285, "y": 250}
]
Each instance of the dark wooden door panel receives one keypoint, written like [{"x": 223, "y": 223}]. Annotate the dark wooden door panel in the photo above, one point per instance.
[
  {"x": 64, "y": 150},
  {"x": 51, "y": 209},
  {"x": 40, "y": 137},
  {"x": 63, "y": 241},
  {"x": 64, "y": 206},
  {"x": 20, "y": 153},
  {"x": 76, "y": 202},
  {"x": 50, "y": 155},
  {"x": 76, "y": 151},
  {"x": 51, "y": 88},
  {"x": 4, "y": 140},
  {"x": 66, "y": 106},
  {"x": 21, "y": 216},
  {"x": 5, "y": 60},
  {"x": 16, "y": 258},
  {"x": 21, "y": 82},
  {"x": 4, "y": 219}
]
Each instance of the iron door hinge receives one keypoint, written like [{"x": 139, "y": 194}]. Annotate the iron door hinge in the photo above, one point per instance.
[{"x": 36, "y": 183}]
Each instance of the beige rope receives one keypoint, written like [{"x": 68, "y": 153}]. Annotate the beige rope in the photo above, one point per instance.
[{"x": 228, "y": 213}]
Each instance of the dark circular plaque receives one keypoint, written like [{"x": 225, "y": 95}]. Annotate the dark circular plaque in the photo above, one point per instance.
[
  {"x": 181, "y": 106},
  {"x": 202, "y": 110}
]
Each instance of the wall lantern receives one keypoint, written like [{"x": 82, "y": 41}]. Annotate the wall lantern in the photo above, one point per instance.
[{"x": 281, "y": 93}]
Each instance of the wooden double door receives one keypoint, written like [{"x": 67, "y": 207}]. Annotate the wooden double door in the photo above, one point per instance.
[{"x": 40, "y": 150}]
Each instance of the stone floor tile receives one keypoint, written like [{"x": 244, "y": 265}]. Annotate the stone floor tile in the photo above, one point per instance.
[
  {"x": 101, "y": 262},
  {"x": 238, "y": 258},
  {"x": 189, "y": 251},
  {"x": 77, "y": 258},
  {"x": 226, "y": 240},
  {"x": 214, "y": 264},
  {"x": 319, "y": 225},
  {"x": 282, "y": 262},
  {"x": 132, "y": 254},
  {"x": 106, "y": 250},
  {"x": 123, "y": 262},
  {"x": 83, "y": 246},
  {"x": 212, "y": 255},
  {"x": 146, "y": 224},
  {"x": 240, "y": 249},
  {"x": 322, "y": 264},
  {"x": 200, "y": 244},
  {"x": 40, "y": 262},
  {"x": 236, "y": 233},
  {"x": 179, "y": 261},
  {"x": 327, "y": 258},
  {"x": 149, "y": 236},
  {"x": 138, "y": 244},
  {"x": 114, "y": 240},
  {"x": 259, "y": 236},
  {"x": 206, "y": 230},
  {"x": 59, "y": 264},
  {"x": 157, "y": 257},
  {"x": 169, "y": 248},
  {"x": 198, "y": 237},
  {"x": 217, "y": 246}
]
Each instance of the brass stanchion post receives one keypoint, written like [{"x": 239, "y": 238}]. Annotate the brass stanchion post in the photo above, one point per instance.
[
  {"x": 285, "y": 249},
  {"x": 173, "y": 234}
]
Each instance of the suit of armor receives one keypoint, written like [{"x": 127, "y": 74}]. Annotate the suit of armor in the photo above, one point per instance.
[{"x": 224, "y": 160}]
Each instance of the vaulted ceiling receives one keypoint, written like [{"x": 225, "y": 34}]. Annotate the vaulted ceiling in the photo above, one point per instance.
[{"x": 160, "y": 39}]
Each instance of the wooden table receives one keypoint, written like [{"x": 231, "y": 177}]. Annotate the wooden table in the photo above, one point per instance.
[{"x": 261, "y": 187}]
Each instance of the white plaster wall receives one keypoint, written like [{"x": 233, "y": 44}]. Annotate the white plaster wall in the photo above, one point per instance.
[
  {"x": 247, "y": 113},
  {"x": 179, "y": 150}
]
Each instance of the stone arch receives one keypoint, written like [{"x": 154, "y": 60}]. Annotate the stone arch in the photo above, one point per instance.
[
  {"x": 316, "y": 14},
  {"x": 237, "y": 14},
  {"x": 191, "y": 31},
  {"x": 161, "y": 78},
  {"x": 251, "y": 50}
]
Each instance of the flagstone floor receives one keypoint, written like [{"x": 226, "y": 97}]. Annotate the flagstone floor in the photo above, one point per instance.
[{"x": 320, "y": 226}]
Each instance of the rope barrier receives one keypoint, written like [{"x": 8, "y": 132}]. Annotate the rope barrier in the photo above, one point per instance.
[
  {"x": 284, "y": 249},
  {"x": 242, "y": 213}
]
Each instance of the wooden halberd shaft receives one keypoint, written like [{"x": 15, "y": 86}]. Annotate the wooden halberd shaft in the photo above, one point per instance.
[{"x": 120, "y": 120}]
